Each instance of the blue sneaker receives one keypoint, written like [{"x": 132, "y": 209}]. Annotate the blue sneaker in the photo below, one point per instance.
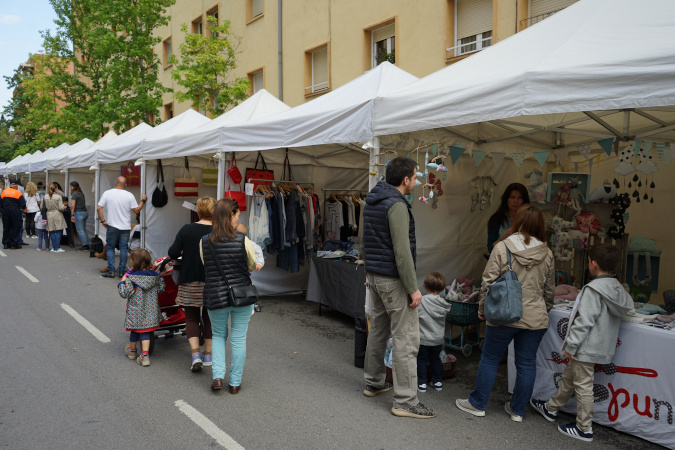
[
  {"x": 207, "y": 360},
  {"x": 540, "y": 406},
  {"x": 572, "y": 430},
  {"x": 197, "y": 362}
]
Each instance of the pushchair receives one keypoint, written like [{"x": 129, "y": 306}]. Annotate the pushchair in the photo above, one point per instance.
[{"x": 173, "y": 321}]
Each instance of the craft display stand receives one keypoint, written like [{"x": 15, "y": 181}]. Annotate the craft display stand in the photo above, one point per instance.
[{"x": 558, "y": 179}]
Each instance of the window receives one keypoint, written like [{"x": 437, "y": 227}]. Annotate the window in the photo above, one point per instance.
[
  {"x": 383, "y": 45},
  {"x": 317, "y": 69},
  {"x": 167, "y": 52},
  {"x": 541, "y": 9},
  {"x": 168, "y": 111},
  {"x": 213, "y": 12},
  {"x": 254, "y": 10},
  {"x": 257, "y": 80},
  {"x": 473, "y": 26},
  {"x": 198, "y": 25},
  {"x": 151, "y": 119}
]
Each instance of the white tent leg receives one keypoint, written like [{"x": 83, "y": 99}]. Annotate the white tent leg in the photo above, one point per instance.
[
  {"x": 374, "y": 159},
  {"x": 141, "y": 162},
  {"x": 97, "y": 190},
  {"x": 46, "y": 179},
  {"x": 221, "y": 176}
]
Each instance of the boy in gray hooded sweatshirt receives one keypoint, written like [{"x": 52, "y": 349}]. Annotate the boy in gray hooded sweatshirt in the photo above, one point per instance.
[
  {"x": 591, "y": 339},
  {"x": 431, "y": 312}
]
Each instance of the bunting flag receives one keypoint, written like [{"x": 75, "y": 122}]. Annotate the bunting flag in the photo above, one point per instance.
[
  {"x": 648, "y": 147},
  {"x": 478, "y": 156},
  {"x": 636, "y": 146},
  {"x": 660, "y": 147},
  {"x": 606, "y": 145},
  {"x": 668, "y": 154},
  {"x": 518, "y": 158},
  {"x": 497, "y": 158},
  {"x": 584, "y": 149},
  {"x": 598, "y": 158},
  {"x": 434, "y": 149},
  {"x": 561, "y": 156},
  {"x": 455, "y": 153},
  {"x": 541, "y": 157}
]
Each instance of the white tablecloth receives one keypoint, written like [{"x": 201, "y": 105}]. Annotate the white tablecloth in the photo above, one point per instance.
[{"x": 637, "y": 399}]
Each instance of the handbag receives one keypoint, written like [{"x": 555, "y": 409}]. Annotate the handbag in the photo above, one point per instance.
[
  {"x": 238, "y": 196},
  {"x": 210, "y": 174},
  {"x": 239, "y": 295},
  {"x": 132, "y": 174},
  {"x": 159, "y": 196},
  {"x": 233, "y": 171},
  {"x": 43, "y": 213},
  {"x": 260, "y": 174},
  {"x": 504, "y": 300},
  {"x": 287, "y": 163},
  {"x": 95, "y": 246},
  {"x": 186, "y": 186}
]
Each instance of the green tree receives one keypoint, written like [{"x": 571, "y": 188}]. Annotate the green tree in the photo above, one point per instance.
[
  {"x": 205, "y": 66},
  {"x": 7, "y": 141}
]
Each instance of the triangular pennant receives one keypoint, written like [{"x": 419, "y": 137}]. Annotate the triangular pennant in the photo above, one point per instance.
[
  {"x": 497, "y": 158},
  {"x": 668, "y": 154},
  {"x": 584, "y": 149},
  {"x": 518, "y": 158},
  {"x": 478, "y": 156},
  {"x": 606, "y": 145},
  {"x": 541, "y": 157},
  {"x": 660, "y": 147},
  {"x": 561, "y": 156},
  {"x": 434, "y": 149},
  {"x": 636, "y": 146},
  {"x": 598, "y": 158},
  {"x": 455, "y": 153},
  {"x": 648, "y": 147}
]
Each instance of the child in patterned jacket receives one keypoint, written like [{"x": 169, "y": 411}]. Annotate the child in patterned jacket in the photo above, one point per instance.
[{"x": 141, "y": 286}]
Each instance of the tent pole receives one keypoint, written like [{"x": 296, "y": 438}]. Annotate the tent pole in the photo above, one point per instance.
[
  {"x": 46, "y": 179},
  {"x": 141, "y": 162},
  {"x": 221, "y": 176},
  {"x": 67, "y": 182},
  {"x": 97, "y": 189},
  {"x": 374, "y": 159}
]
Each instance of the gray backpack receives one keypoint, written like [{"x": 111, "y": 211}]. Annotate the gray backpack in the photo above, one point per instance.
[{"x": 504, "y": 300}]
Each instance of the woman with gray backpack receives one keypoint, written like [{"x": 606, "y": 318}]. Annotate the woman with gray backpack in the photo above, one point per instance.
[{"x": 516, "y": 310}]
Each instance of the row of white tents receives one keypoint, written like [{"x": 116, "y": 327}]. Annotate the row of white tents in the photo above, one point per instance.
[{"x": 598, "y": 69}]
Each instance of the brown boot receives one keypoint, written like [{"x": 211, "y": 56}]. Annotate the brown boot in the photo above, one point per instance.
[{"x": 104, "y": 270}]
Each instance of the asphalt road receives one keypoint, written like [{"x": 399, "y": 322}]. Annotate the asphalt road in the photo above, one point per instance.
[{"x": 62, "y": 388}]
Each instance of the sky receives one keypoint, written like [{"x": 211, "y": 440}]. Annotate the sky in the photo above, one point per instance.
[{"x": 20, "y": 25}]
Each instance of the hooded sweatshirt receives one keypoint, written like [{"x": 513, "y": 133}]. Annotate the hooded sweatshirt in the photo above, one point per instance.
[
  {"x": 533, "y": 264},
  {"x": 432, "y": 312},
  {"x": 141, "y": 289},
  {"x": 594, "y": 324}
]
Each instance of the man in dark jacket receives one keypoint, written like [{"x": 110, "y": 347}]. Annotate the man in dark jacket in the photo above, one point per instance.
[
  {"x": 390, "y": 252},
  {"x": 13, "y": 203}
]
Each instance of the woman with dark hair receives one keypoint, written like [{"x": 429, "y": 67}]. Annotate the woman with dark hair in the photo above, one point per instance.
[
  {"x": 191, "y": 282},
  {"x": 532, "y": 261},
  {"x": 55, "y": 221},
  {"x": 32, "y": 208},
  {"x": 499, "y": 226},
  {"x": 229, "y": 250},
  {"x": 79, "y": 214}
]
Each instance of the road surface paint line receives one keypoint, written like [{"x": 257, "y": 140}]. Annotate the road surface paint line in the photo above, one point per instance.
[
  {"x": 205, "y": 424},
  {"x": 86, "y": 324},
  {"x": 28, "y": 275},
  {"x": 2, "y": 253}
]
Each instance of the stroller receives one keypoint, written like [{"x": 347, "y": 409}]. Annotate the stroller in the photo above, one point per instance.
[{"x": 173, "y": 321}]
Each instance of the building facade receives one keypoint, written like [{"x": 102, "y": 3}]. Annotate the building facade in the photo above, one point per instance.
[{"x": 300, "y": 49}]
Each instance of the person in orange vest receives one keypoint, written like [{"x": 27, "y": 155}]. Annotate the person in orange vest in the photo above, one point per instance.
[{"x": 13, "y": 203}]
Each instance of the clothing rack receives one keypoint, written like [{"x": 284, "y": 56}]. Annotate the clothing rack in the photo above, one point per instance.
[
  {"x": 358, "y": 191},
  {"x": 301, "y": 183}
]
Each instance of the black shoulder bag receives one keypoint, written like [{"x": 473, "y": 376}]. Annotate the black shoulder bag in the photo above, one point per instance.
[
  {"x": 159, "y": 196},
  {"x": 239, "y": 295}
]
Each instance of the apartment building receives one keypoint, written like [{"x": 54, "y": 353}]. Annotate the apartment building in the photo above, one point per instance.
[{"x": 300, "y": 49}]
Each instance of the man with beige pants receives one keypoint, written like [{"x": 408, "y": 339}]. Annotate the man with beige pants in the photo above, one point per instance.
[{"x": 390, "y": 252}]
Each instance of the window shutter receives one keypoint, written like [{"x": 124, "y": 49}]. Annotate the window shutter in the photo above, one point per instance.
[
  {"x": 256, "y": 7},
  {"x": 384, "y": 33},
  {"x": 257, "y": 81},
  {"x": 473, "y": 17},
  {"x": 320, "y": 70},
  {"x": 539, "y": 7}
]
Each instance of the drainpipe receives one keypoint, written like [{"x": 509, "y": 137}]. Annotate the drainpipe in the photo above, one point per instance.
[{"x": 280, "y": 54}]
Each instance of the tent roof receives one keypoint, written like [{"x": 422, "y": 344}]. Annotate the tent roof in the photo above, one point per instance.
[
  {"x": 206, "y": 138},
  {"x": 132, "y": 148},
  {"x": 87, "y": 157},
  {"x": 597, "y": 69}
]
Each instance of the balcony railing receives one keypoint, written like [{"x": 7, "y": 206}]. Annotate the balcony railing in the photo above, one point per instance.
[{"x": 525, "y": 23}]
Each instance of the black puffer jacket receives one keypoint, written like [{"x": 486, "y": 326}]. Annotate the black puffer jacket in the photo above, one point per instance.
[{"x": 232, "y": 258}]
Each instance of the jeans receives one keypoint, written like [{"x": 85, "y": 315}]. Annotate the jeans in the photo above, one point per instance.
[
  {"x": 432, "y": 356},
  {"x": 55, "y": 237},
  {"x": 81, "y": 224},
  {"x": 114, "y": 236},
  {"x": 240, "y": 316},
  {"x": 30, "y": 224},
  {"x": 497, "y": 340},
  {"x": 43, "y": 234},
  {"x": 391, "y": 314}
]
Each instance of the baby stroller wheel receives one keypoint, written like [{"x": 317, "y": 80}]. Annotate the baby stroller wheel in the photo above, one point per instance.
[
  {"x": 466, "y": 350},
  {"x": 257, "y": 308},
  {"x": 152, "y": 342}
]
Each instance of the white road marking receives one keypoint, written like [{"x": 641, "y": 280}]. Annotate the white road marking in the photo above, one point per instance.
[
  {"x": 86, "y": 324},
  {"x": 2, "y": 253},
  {"x": 28, "y": 275},
  {"x": 205, "y": 424}
]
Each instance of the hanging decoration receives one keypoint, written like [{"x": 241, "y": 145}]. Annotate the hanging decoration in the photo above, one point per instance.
[
  {"x": 636, "y": 146},
  {"x": 483, "y": 192},
  {"x": 478, "y": 156},
  {"x": 597, "y": 158},
  {"x": 561, "y": 156},
  {"x": 497, "y": 158},
  {"x": 668, "y": 153},
  {"x": 646, "y": 167},
  {"x": 455, "y": 152},
  {"x": 518, "y": 158},
  {"x": 619, "y": 215},
  {"x": 584, "y": 149},
  {"x": 541, "y": 157},
  {"x": 660, "y": 147},
  {"x": 606, "y": 145}
]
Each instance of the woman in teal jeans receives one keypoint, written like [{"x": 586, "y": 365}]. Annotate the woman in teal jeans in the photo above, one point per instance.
[
  {"x": 227, "y": 251},
  {"x": 79, "y": 213}
]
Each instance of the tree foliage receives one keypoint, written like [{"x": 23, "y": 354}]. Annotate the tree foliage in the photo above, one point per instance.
[{"x": 205, "y": 66}]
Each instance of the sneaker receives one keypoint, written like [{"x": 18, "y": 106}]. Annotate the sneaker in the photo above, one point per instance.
[
  {"x": 572, "y": 430},
  {"x": 108, "y": 274},
  {"x": 438, "y": 385},
  {"x": 197, "y": 362},
  {"x": 59, "y": 250},
  {"x": 418, "y": 411},
  {"x": 372, "y": 391},
  {"x": 38, "y": 249},
  {"x": 540, "y": 407},
  {"x": 33, "y": 237},
  {"x": 130, "y": 354},
  {"x": 515, "y": 417},
  {"x": 120, "y": 274},
  {"x": 207, "y": 360},
  {"x": 466, "y": 406},
  {"x": 144, "y": 362},
  {"x": 422, "y": 387}
]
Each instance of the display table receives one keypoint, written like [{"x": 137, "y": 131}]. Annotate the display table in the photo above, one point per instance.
[
  {"x": 340, "y": 285},
  {"x": 636, "y": 394}
]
